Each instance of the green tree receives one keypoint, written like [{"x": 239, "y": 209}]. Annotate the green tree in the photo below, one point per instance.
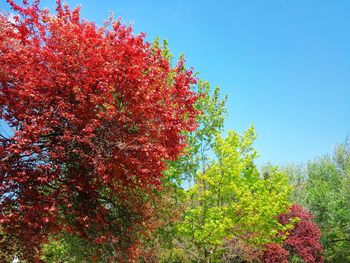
[
  {"x": 68, "y": 248},
  {"x": 231, "y": 199},
  {"x": 328, "y": 197},
  {"x": 297, "y": 176},
  {"x": 200, "y": 142}
]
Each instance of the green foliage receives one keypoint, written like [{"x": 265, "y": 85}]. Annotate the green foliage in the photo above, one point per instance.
[
  {"x": 174, "y": 256},
  {"x": 323, "y": 186},
  {"x": 230, "y": 199},
  {"x": 67, "y": 248},
  {"x": 200, "y": 142},
  {"x": 226, "y": 195},
  {"x": 298, "y": 179},
  {"x": 328, "y": 198},
  {"x": 7, "y": 247},
  {"x": 296, "y": 259}
]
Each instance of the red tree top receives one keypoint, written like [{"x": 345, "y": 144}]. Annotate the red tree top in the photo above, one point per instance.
[
  {"x": 302, "y": 241},
  {"x": 96, "y": 112}
]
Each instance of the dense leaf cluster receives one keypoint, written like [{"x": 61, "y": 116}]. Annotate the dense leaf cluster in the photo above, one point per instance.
[
  {"x": 94, "y": 114},
  {"x": 303, "y": 241}
]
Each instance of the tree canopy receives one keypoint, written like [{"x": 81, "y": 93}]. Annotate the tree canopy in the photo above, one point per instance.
[{"x": 96, "y": 112}]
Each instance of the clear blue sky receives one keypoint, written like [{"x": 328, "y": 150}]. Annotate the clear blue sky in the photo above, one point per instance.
[{"x": 284, "y": 64}]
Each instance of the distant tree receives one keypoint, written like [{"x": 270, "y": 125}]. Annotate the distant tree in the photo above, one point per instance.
[
  {"x": 328, "y": 195},
  {"x": 297, "y": 175},
  {"x": 323, "y": 186}
]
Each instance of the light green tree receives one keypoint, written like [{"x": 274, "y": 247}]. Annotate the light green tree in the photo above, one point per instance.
[{"x": 231, "y": 199}]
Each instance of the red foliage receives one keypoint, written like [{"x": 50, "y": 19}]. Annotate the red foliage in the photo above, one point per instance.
[
  {"x": 96, "y": 112},
  {"x": 303, "y": 240},
  {"x": 275, "y": 253}
]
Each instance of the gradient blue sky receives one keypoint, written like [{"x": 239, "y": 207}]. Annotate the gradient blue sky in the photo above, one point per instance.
[{"x": 284, "y": 64}]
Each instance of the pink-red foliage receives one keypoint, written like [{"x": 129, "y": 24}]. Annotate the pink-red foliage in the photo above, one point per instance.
[
  {"x": 303, "y": 240},
  {"x": 275, "y": 253},
  {"x": 95, "y": 113}
]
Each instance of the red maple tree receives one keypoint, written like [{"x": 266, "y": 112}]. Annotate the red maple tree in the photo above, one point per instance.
[
  {"x": 302, "y": 241},
  {"x": 275, "y": 253},
  {"x": 95, "y": 112}
]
